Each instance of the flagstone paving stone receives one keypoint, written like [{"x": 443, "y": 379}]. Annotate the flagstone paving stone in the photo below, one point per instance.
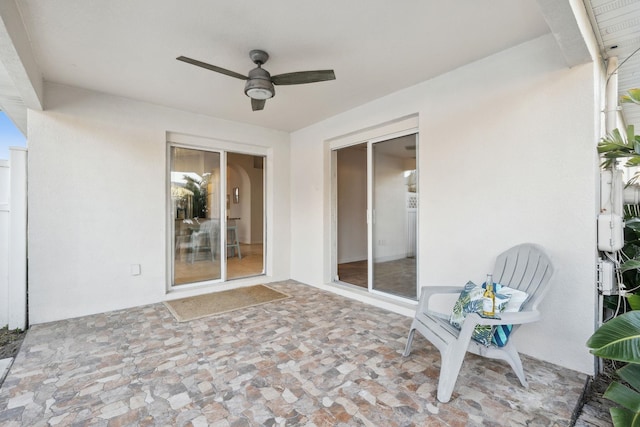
[{"x": 316, "y": 359}]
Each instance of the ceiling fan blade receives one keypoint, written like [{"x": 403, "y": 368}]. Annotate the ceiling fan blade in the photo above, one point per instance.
[
  {"x": 301, "y": 77},
  {"x": 257, "y": 104},
  {"x": 211, "y": 67}
]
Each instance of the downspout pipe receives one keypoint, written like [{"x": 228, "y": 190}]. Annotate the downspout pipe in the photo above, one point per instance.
[
  {"x": 611, "y": 95},
  {"x": 610, "y": 123},
  {"x": 611, "y": 196}
]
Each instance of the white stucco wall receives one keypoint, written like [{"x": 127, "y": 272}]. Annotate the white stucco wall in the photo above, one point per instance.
[
  {"x": 97, "y": 202},
  {"x": 506, "y": 156}
]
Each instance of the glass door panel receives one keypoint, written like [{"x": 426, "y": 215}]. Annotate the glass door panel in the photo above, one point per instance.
[
  {"x": 393, "y": 231},
  {"x": 195, "y": 203},
  {"x": 245, "y": 215},
  {"x": 351, "y": 215}
]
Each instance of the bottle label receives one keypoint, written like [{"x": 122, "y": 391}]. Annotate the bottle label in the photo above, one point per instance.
[{"x": 487, "y": 306}]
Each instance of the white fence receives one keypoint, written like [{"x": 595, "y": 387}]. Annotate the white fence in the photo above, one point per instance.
[
  {"x": 13, "y": 239},
  {"x": 5, "y": 174}
]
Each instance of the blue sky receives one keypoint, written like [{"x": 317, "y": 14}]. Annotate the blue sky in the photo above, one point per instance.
[{"x": 10, "y": 136}]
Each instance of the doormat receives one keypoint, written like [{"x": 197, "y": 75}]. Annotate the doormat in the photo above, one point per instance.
[{"x": 191, "y": 308}]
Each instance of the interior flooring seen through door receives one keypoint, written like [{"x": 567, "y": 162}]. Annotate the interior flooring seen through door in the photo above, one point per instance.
[
  {"x": 203, "y": 268},
  {"x": 354, "y": 273},
  {"x": 251, "y": 263},
  {"x": 396, "y": 277}
]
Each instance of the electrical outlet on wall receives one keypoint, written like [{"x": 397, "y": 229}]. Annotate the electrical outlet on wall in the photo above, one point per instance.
[{"x": 136, "y": 270}]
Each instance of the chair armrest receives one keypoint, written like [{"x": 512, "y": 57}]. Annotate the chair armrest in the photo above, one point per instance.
[
  {"x": 441, "y": 290},
  {"x": 427, "y": 292}
]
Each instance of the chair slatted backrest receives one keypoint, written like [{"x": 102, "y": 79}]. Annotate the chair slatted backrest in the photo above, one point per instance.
[{"x": 525, "y": 267}]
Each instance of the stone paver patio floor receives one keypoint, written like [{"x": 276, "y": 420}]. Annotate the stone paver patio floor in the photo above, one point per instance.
[{"x": 313, "y": 359}]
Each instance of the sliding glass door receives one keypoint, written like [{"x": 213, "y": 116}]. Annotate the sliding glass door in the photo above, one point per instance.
[
  {"x": 394, "y": 227},
  {"x": 216, "y": 215},
  {"x": 375, "y": 215},
  {"x": 245, "y": 215},
  {"x": 195, "y": 202},
  {"x": 351, "y": 197}
]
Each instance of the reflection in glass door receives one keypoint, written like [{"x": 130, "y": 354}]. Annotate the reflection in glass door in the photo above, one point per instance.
[
  {"x": 394, "y": 225},
  {"x": 195, "y": 205},
  {"x": 209, "y": 225}
]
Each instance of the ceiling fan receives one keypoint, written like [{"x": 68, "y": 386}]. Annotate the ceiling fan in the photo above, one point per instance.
[{"x": 259, "y": 86}]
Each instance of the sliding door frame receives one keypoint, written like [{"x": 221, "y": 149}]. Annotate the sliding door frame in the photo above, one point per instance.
[
  {"x": 371, "y": 212},
  {"x": 394, "y": 129},
  {"x": 222, "y": 147}
]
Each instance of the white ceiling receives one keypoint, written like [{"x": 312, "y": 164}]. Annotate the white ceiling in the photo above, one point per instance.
[{"x": 376, "y": 47}]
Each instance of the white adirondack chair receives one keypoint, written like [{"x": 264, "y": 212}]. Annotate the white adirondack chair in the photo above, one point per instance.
[{"x": 525, "y": 267}]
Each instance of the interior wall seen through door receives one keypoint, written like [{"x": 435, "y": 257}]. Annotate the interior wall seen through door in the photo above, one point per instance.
[{"x": 376, "y": 239}]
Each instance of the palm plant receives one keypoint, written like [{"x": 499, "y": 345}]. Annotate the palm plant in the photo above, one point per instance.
[
  {"x": 616, "y": 146},
  {"x": 199, "y": 190},
  {"x": 619, "y": 339}
]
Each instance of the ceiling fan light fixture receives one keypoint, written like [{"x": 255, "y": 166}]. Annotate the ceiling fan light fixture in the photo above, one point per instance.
[
  {"x": 259, "y": 93},
  {"x": 259, "y": 85}
]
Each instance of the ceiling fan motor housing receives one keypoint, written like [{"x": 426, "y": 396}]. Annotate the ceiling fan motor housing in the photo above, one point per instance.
[{"x": 259, "y": 84}]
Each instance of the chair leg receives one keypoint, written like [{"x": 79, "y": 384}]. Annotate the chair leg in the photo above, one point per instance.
[
  {"x": 513, "y": 358},
  {"x": 450, "y": 364},
  {"x": 407, "y": 348}
]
